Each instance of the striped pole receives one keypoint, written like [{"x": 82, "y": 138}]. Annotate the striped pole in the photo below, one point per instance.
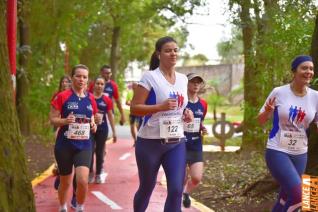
[{"x": 12, "y": 37}]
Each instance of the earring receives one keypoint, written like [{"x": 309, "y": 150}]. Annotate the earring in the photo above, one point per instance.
[{"x": 159, "y": 57}]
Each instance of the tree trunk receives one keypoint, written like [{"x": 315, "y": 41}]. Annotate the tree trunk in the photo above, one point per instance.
[
  {"x": 312, "y": 165},
  {"x": 22, "y": 78},
  {"x": 251, "y": 130},
  {"x": 15, "y": 188},
  {"x": 114, "y": 51}
]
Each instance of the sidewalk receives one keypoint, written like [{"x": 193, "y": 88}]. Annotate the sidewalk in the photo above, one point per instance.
[{"x": 118, "y": 191}]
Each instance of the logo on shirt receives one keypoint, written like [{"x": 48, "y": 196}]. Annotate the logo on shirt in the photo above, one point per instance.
[
  {"x": 198, "y": 112},
  {"x": 89, "y": 107},
  {"x": 72, "y": 105},
  {"x": 296, "y": 114},
  {"x": 178, "y": 96},
  {"x": 109, "y": 89},
  {"x": 102, "y": 104}
]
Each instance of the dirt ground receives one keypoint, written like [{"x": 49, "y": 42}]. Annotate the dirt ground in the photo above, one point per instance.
[
  {"x": 39, "y": 156},
  {"x": 225, "y": 175}
]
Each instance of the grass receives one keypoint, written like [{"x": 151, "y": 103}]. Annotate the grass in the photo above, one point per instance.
[{"x": 234, "y": 141}]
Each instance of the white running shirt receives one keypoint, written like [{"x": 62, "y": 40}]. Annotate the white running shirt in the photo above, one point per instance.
[
  {"x": 159, "y": 91},
  {"x": 291, "y": 118}
]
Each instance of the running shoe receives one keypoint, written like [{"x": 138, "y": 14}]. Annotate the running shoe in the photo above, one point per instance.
[
  {"x": 186, "y": 200},
  {"x": 98, "y": 179},
  {"x": 91, "y": 178},
  {"x": 57, "y": 182},
  {"x": 73, "y": 202}
]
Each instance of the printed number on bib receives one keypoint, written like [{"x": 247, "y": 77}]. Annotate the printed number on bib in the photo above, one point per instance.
[
  {"x": 193, "y": 127},
  {"x": 171, "y": 127},
  {"x": 77, "y": 131},
  {"x": 293, "y": 141}
]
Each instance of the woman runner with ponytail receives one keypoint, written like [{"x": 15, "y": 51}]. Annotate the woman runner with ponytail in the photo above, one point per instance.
[{"x": 161, "y": 98}]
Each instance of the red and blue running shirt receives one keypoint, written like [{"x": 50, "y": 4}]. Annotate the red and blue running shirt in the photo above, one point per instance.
[
  {"x": 83, "y": 109},
  {"x": 110, "y": 90},
  {"x": 199, "y": 109},
  {"x": 104, "y": 104}
]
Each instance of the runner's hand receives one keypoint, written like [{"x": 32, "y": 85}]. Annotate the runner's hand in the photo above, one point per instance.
[
  {"x": 169, "y": 104},
  {"x": 114, "y": 139},
  {"x": 187, "y": 115},
  {"x": 122, "y": 120},
  {"x": 70, "y": 118},
  {"x": 270, "y": 105},
  {"x": 204, "y": 130},
  {"x": 93, "y": 127}
]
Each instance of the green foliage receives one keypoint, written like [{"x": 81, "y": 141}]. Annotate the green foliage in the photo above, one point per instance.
[
  {"x": 231, "y": 51},
  {"x": 195, "y": 60},
  {"x": 86, "y": 28}
]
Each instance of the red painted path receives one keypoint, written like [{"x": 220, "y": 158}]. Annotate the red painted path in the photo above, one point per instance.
[{"x": 118, "y": 191}]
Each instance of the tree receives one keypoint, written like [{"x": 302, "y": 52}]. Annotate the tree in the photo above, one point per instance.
[
  {"x": 22, "y": 71},
  {"x": 312, "y": 164},
  {"x": 15, "y": 187},
  {"x": 268, "y": 29}
]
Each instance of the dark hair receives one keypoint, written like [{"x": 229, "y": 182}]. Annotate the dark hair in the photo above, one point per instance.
[
  {"x": 104, "y": 67},
  {"x": 154, "y": 60},
  {"x": 77, "y": 67},
  {"x": 99, "y": 77},
  {"x": 61, "y": 80}
]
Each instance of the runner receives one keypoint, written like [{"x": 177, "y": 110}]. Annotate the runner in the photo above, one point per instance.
[
  {"x": 73, "y": 111},
  {"x": 193, "y": 132},
  {"x": 105, "y": 106},
  {"x": 161, "y": 97},
  {"x": 64, "y": 84},
  {"x": 293, "y": 107},
  {"x": 134, "y": 121},
  {"x": 111, "y": 90}
]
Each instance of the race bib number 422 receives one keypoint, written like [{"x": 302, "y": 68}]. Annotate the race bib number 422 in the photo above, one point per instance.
[{"x": 78, "y": 131}]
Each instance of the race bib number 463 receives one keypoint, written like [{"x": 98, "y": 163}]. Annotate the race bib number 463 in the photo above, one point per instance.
[
  {"x": 171, "y": 127},
  {"x": 78, "y": 131}
]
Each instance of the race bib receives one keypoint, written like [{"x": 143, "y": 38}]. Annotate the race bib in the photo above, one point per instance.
[
  {"x": 193, "y": 127},
  {"x": 78, "y": 131},
  {"x": 293, "y": 141},
  {"x": 171, "y": 127}
]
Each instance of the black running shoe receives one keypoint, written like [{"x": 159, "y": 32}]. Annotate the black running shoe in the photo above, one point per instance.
[
  {"x": 73, "y": 202},
  {"x": 186, "y": 200},
  {"x": 57, "y": 182}
]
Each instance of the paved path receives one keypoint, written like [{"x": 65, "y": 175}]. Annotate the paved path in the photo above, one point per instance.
[{"x": 117, "y": 192}]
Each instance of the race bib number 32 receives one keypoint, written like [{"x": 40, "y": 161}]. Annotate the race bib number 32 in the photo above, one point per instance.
[
  {"x": 171, "y": 127},
  {"x": 78, "y": 131},
  {"x": 293, "y": 141}
]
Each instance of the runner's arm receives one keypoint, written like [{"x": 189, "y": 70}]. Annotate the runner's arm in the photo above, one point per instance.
[
  {"x": 139, "y": 108},
  {"x": 57, "y": 121},
  {"x": 110, "y": 117}
]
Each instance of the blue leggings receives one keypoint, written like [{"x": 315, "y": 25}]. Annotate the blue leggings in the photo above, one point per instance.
[
  {"x": 150, "y": 154},
  {"x": 287, "y": 170}
]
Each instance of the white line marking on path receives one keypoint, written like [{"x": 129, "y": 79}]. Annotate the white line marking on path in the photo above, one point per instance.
[
  {"x": 102, "y": 197},
  {"x": 125, "y": 156}
]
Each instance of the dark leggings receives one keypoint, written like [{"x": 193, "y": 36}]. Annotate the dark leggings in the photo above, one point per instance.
[
  {"x": 287, "y": 170},
  {"x": 99, "y": 149},
  {"x": 150, "y": 155}
]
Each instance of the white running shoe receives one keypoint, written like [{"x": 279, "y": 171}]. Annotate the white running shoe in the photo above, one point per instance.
[{"x": 91, "y": 178}]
